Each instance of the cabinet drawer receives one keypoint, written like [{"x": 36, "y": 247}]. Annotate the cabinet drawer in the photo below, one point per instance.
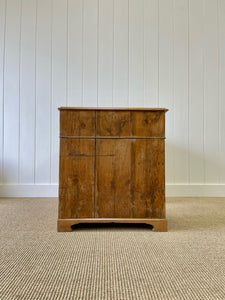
[
  {"x": 148, "y": 123},
  {"x": 77, "y": 123},
  {"x": 130, "y": 123},
  {"x": 113, "y": 123}
]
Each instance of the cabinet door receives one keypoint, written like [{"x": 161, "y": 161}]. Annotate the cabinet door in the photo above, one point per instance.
[
  {"x": 130, "y": 179},
  {"x": 147, "y": 178},
  {"x": 76, "y": 180},
  {"x": 113, "y": 173}
]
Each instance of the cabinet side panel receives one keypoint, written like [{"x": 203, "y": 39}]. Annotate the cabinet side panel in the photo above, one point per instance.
[
  {"x": 76, "y": 182},
  {"x": 147, "y": 180},
  {"x": 113, "y": 178},
  {"x": 77, "y": 123}
]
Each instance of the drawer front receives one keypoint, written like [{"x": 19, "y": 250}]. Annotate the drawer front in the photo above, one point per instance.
[
  {"x": 113, "y": 123},
  {"x": 76, "y": 179},
  {"x": 148, "y": 123},
  {"x": 77, "y": 123},
  {"x": 130, "y": 124}
]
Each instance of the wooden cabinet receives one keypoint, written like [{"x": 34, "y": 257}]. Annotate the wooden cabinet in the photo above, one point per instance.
[{"x": 112, "y": 166}]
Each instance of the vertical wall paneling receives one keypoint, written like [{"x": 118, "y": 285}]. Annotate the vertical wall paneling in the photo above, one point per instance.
[
  {"x": 105, "y": 53},
  {"x": 196, "y": 95},
  {"x": 11, "y": 92},
  {"x": 2, "y": 60},
  {"x": 75, "y": 53},
  {"x": 27, "y": 91},
  {"x": 43, "y": 91},
  {"x": 151, "y": 58},
  {"x": 211, "y": 103},
  {"x": 136, "y": 50},
  {"x": 181, "y": 167},
  {"x": 59, "y": 77},
  {"x": 90, "y": 52},
  {"x": 121, "y": 53},
  {"x": 221, "y": 35},
  {"x": 166, "y": 83}
]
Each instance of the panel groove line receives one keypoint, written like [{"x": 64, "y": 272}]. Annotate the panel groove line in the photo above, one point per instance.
[
  {"x": 221, "y": 32},
  {"x": 75, "y": 52},
  {"x": 11, "y": 92},
  {"x": 19, "y": 92},
  {"x": 166, "y": 78},
  {"x": 196, "y": 92},
  {"x": 35, "y": 87},
  {"x": 95, "y": 210},
  {"x": 43, "y": 91},
  {"x": 27, "y": 92},
  {"x": 59, "y": 77},
  {"x": 188, "y": 89},
  {"x": 3, "y": 9},
  {"x": 51, "y": 93},
  {"x": 211, "y": 109}
]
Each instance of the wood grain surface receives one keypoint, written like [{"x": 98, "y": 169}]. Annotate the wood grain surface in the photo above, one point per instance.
[
  {"x": 113, "y": 170},
  {"x": 113, "y": 123},
  {"x": 148, "y": 179},
  {"x": 112, "y": 164},
  {"x": 148, "y": 123},
  {"x": 77, "y": 123},
  {"x": 76, "y": 179}
]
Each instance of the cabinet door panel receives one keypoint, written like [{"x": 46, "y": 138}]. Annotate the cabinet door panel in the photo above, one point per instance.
[
  {"x": 113, "y": 170},
  {"x": 76, "y": 180},
  {"x": 130, "y": 179},
  {"x": 147, "y": 178}
]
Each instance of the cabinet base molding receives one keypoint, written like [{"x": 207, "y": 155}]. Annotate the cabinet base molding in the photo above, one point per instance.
[{"x": 64, "y": 225}]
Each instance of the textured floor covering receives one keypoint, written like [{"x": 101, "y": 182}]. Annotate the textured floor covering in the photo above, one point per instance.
[{"x": 188, "y": 262}]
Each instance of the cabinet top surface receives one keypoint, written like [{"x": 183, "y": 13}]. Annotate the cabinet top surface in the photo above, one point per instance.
[{"x": 115, "y": 108}]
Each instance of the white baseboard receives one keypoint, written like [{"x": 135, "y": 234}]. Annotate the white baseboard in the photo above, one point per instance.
[
  {"x": 29, "y": 190},
  {"x": 172, "y": 190},
  {"x": 195, "y": 190}
]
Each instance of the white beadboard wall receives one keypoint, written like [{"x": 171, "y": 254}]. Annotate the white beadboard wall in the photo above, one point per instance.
[{"x": 120, "y": 53}]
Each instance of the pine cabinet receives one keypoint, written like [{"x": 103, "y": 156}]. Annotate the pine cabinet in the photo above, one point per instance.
[{"x": 112, "y": 166}]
